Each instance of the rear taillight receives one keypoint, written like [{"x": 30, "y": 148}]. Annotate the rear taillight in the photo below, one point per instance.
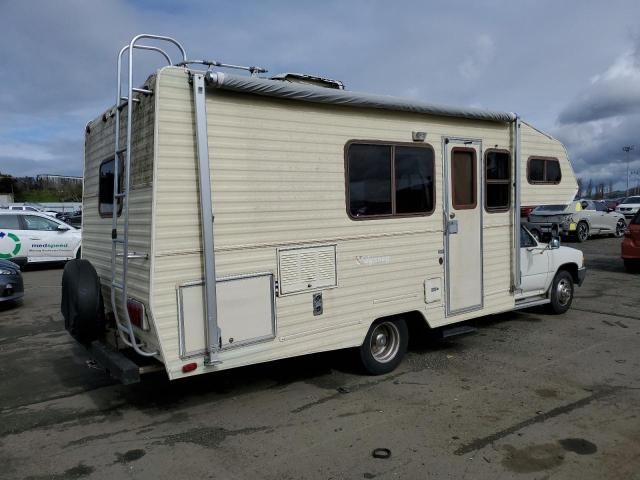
[
  {"x": 136, "y": 313},
  {"x": 525, "y": 211}
]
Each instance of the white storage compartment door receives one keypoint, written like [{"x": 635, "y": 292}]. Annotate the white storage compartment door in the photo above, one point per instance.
[{"x": 246, "y": 313}]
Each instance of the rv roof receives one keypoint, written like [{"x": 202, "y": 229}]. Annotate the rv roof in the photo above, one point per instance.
[{"x": 311, "y": 93}]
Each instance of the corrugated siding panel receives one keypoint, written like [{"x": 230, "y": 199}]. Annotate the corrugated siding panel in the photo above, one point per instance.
[
  {"x": 96, "y": 231},
  {"x": 278, "y": 180},
  {"x": 535, "y": 143}
]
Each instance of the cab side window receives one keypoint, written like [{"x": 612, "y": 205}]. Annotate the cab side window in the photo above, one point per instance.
[
  {"x": 33, "y": 222},
  {"x": 526, "y": 240},
  {"x": 9, "y": 222}
]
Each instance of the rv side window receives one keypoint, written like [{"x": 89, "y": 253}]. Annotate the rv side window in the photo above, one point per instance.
[
  {"x": 497, "y": 181},
  {"x": 369, "y": 180},
  {"x": 413, "y": 180},
  {"x": 105, "y": 188},
  {"x": 544, "y": 170},
  {"x": 389, "y": 180},
  {"x": 463, "y": 178}
]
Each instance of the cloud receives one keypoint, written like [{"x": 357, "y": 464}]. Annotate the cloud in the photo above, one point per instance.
[
  {"x": 59, "y": 61},
  {"x": 478, "y": 60},
  {"x": 614, "y": 93}
]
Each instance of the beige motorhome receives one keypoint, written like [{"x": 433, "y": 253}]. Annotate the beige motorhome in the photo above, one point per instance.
[{"x": 232, "y": 219}]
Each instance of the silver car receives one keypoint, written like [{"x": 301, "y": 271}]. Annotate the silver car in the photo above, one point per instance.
[{"x": 579, "y": 219}]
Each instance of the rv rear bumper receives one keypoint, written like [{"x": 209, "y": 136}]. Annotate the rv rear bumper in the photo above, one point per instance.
[{"x": 119, "y": 366}]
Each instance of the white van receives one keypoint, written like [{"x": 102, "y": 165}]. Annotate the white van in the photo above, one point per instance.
[
  {"x": 31, "y": 237},
  {"x": 235, "y": 219}
]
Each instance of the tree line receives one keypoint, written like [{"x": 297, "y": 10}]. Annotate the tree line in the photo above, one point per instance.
[{"x": 41, "y": 189}]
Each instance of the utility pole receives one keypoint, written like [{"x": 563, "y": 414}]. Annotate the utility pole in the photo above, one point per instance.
[{"x": 627, "y": 149}]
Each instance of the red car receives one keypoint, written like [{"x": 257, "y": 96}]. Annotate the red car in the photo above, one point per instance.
[{"x": 631, "y": 245}]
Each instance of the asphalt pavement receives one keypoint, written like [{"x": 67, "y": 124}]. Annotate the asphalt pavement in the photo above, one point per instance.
[{"x": 530, "y": 396}]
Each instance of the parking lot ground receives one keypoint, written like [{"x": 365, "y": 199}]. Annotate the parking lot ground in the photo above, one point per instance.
[{"x": 529, "y": 396}]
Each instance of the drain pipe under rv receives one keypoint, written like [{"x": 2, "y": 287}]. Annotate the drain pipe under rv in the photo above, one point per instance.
[{"x": 517, "y": 279}]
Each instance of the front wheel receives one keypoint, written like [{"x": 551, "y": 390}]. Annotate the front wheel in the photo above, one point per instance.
[
  {"x": 582, "y": 232},
  {"x": 561, "y": 292},
  {"x": 384, "y": 346},
  {"x": 620, "y": 227}
]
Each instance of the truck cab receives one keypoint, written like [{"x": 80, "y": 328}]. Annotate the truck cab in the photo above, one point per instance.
[{"x": 549, "y": 272}]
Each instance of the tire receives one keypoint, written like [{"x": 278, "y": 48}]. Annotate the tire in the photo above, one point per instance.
[
  {"x": 561, "y": 292},
  {"x": 536, "y": 234},
  {"x": 620, "y": 227},
  {"x": 384, "y": 346},
  {"x": 82, "y": 305},
  {"x": 582, "y": 232}
]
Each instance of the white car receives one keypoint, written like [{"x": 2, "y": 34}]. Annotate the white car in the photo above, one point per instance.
[
  {"x": 629, "y": 206},
  {"x": 31, "y": 208},
  {"x": 36, "y": 237},
  {"x": 549, "y": 272}
]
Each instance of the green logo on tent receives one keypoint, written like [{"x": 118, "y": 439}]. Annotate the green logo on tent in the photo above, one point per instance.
[{"x": 16, "y": 247}]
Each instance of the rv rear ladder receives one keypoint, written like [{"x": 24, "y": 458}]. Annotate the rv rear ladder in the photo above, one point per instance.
[{"x": 119, "y": 280}]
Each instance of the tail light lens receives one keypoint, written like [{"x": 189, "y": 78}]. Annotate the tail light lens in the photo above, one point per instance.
[
  {"x": 136, "y": 313},
  {"x": 525, "y": 211}
]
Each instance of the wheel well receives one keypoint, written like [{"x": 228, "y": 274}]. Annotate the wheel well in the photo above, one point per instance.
[
  {"x": 572, "y": 268},
  {"x": 415, "y": 320}
]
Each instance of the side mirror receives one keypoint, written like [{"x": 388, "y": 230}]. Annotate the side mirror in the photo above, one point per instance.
[
  {"x": 62, "y": 228},
  {"x": 554, "y": 243}
]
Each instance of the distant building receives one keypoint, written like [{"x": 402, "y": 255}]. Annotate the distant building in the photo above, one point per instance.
[
  {"x": 59, "y": 179},
  {"x": 6, "y": 198}
]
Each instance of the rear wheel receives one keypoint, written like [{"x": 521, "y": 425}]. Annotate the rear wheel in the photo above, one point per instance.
[
  {"x": 620, "y": 226},
  {"x": 82, "y": 306},
  {"x": 561, "y": 292},
  {"x": 384, "y": 346},
  {"x": 582, "y": 232}
]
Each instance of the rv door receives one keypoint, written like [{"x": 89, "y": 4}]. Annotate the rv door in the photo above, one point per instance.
[{"x": 463, "y": 224}]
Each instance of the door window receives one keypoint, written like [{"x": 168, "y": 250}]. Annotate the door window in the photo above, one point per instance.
[
  {"x": 526, "y": 239},
  {"x": 463, "y": 178},
  {"x": 33, "y": 222},
  {"x": 9, "y": 222}
]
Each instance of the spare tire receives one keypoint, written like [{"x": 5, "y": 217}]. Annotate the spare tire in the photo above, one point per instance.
[{"x": 82, "y": 305}]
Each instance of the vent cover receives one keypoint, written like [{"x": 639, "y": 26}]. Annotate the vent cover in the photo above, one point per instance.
[{"x": 306, "y": 268}]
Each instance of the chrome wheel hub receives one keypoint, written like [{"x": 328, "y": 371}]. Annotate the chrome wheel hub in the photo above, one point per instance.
[
  {"x": 564, "y": 292},
  {"x": 385, "y": 342}
]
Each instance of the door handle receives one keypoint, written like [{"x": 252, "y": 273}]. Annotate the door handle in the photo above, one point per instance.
[{"x": 452, "y": 227}]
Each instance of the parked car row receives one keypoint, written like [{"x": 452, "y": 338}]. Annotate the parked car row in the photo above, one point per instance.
[
  {"x": 30, "y": 208},
  {"x": 579, "y": 219},
  {"x": 629, "y": 207}
]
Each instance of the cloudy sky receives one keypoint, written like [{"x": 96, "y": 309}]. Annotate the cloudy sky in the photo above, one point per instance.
[{"x": 572, "y": 68}]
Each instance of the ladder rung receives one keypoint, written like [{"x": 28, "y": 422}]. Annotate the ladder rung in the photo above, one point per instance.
[
  {"x": 125, "y": 102},
  {"x": 146, "y": 91},
  {"x": 117, "y": 240},
  {"x": 120, "y": 195},
  {"x": 117, "y": 285},
  {"x": 121, "y": 150}
]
